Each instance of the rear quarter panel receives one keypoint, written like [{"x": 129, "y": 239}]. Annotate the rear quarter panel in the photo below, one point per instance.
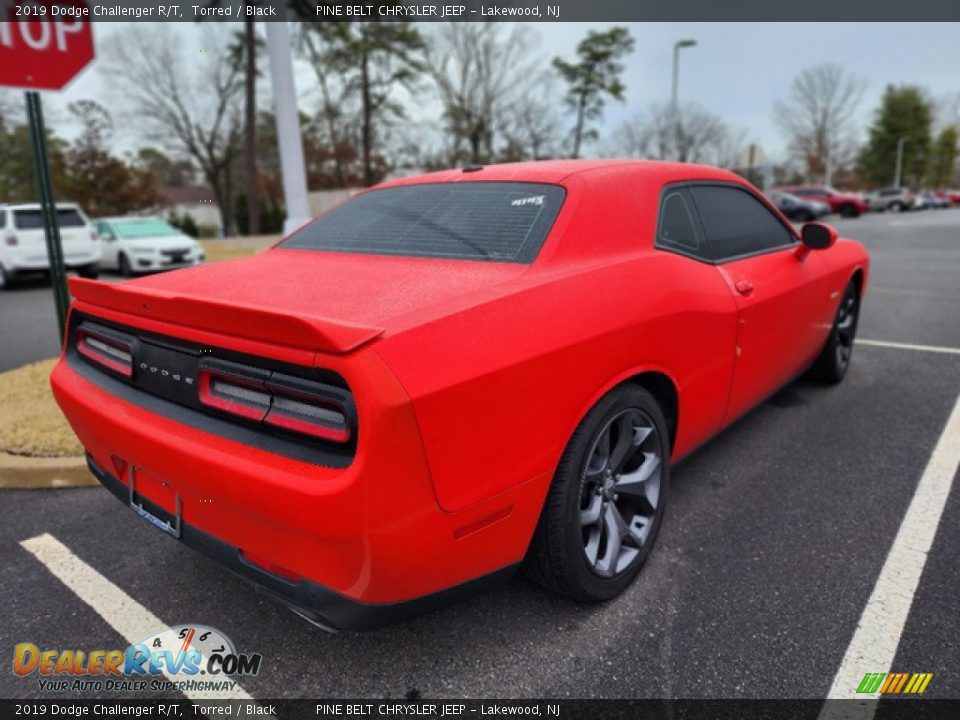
[{"x": 499, "y": 388}]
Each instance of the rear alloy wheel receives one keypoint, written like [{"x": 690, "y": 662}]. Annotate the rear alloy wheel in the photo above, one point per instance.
[
  {"x": 834, "y": 359},
  {"x": 605, "y": 506}
]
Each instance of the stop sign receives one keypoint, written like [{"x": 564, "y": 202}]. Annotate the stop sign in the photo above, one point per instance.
[{"x": 43, "y": 45}]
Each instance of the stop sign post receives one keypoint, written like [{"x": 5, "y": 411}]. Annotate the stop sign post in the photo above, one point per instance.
[{"x": 43, "y": 46}]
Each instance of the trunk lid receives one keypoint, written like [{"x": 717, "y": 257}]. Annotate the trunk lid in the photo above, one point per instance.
[{"x": 322, "y": 301}]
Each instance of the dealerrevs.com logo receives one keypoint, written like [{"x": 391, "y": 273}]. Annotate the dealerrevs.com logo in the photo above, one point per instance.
[{"x": 187, "y": 658}]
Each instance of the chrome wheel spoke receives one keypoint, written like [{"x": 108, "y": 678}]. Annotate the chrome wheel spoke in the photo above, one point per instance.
[
  {"x": 625, "y": 442},
  {"x": 592, "y": 547},
  {"x": 614, "y": 529},
  {"x": 591, "y": 515},
  {"x": 643, "y": 483}
]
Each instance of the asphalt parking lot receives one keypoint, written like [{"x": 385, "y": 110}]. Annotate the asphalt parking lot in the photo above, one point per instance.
[{"x": 775, "y": 535}]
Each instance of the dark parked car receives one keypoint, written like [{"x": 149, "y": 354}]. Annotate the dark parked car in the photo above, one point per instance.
[
  {"x": 798, "y": 209},
  {"x": 930, "y": 201}
]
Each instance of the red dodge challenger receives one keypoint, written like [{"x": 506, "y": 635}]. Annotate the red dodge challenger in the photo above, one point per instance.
[{"x": 450, "y": 375}]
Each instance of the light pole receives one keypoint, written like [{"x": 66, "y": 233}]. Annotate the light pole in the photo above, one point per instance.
[
  {"x": 896, "y": 174},
  {"x": 674, "y": 116},
  {"x": 288, "y": 126}
]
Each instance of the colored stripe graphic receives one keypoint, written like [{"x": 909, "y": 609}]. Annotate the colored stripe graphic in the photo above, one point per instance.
[{"x": 894, "y": 683}]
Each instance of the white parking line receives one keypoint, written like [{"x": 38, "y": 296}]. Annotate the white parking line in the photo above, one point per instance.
[
  {"x": 908, "y": 346},
  {"x": 124, "y": 614},
  {"x": 875, "y": 641}
]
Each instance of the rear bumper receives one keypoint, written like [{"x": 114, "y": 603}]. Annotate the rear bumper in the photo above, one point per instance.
[
  {"x": 318, "y": 604},
  {"x": 367, "y": 543},
  {"x": 35, "y": 259}
]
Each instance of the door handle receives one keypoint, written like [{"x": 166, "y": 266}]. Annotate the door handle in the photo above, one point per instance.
[{"x": 744, "y": 287}]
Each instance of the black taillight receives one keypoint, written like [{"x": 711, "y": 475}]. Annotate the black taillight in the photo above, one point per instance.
[
  {"x": 293, "y": 404},
  {"x": 309, "y": 408},
  {"x": 106, "y": 348},
  {"x": 237, "y": 393}
]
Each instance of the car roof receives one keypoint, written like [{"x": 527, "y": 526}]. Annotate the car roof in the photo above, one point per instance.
[{"x": 558, "y": 171}]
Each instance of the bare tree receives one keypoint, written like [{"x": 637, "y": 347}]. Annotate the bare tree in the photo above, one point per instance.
[
  {"x": 703, "y": 136},
  {"x": 818, "y": 116},
  {"x": 250, "y": 125},
  {"x": 531, "y": 124},
  {"x": 337, "y": 112},
  {"x": 193, "y": 106},
  {"x": 480, "y": 71}
]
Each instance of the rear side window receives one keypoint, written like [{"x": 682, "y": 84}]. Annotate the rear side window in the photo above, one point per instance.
[
  {"x": 736, "y": 223},
  {"x": 678, "y": 228},
  {"x": 33, "y": 219},
  {"x": 493, "y": 221}
]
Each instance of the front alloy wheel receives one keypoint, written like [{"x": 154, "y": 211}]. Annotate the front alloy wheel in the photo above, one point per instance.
[
  {"x": 605, "y": 505},
  {"x": 834, "y": 360}
]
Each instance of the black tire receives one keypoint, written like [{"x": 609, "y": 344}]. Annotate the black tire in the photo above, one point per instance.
[
  {"x": 123, "y": 266},
  {"x": 897, "y": 207},
  {"x": 91, "y": 272},
  {"x": 849, "y": 211},
  {"x": 834, "y": 360},
  {"x": 805, "y": 216},
  {"x": 7, "y": 279},
  {"x": 559, "y": 551}
]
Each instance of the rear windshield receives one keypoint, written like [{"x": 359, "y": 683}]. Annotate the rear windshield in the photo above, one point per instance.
[
  {"x": 33, "y": 219},
  {"x": 494, "y": 221},
  {"x": 143, "y": 228}
]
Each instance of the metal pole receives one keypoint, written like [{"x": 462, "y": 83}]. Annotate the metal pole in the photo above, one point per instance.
[
  {"x": 674, "y": 110},
  {"x": 288, "y": 125},
  {"x": 899, "y": 168},
  {"x": 673, "y": 93},
  {"x": 38, "y": 137},
  {"x": 673, "y": 99}
]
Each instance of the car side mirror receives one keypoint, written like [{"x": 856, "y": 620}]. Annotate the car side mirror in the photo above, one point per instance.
[{"x": 815, "y": 236}]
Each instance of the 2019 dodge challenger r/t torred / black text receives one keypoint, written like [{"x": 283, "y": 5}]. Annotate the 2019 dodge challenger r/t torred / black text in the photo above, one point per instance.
[{"x": 449, "y": 376}]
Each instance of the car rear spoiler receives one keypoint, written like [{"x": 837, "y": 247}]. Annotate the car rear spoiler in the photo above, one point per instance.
[{"x": 246, "y": 321}]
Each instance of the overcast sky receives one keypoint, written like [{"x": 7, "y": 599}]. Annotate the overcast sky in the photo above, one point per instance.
[{"x": 737, "y": 70}]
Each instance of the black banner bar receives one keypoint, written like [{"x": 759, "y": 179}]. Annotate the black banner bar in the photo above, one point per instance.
[{"x": 860, "y": 11}]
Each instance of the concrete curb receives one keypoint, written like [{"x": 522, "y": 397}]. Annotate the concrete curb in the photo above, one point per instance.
[{"x": 36, "y": 473}]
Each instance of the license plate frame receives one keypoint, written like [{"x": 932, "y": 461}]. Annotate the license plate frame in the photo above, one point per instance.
[{"x": 171, "y": 528}]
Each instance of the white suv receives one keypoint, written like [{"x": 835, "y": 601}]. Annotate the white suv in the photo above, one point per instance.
[{"x": 23, "y": 248}]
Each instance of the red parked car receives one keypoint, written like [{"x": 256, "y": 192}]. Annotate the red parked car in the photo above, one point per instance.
[
  {"x": 451, "y": 374},
  {"x": 952, "y": 196},
  {"x": 847, "y": 204}
]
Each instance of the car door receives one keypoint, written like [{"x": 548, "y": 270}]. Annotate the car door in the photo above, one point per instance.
[{"x": 781, "y": 298}]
